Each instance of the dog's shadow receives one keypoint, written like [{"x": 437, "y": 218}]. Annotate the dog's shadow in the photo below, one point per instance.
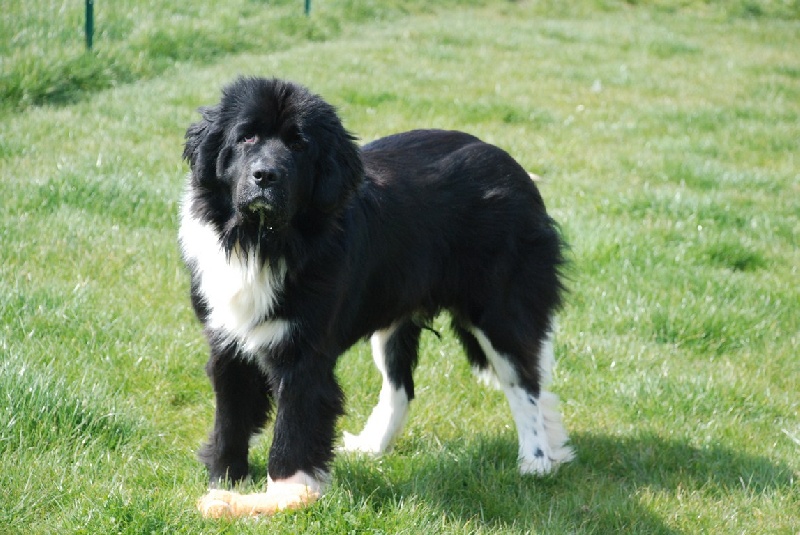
[{"x": 603, "y": 489}]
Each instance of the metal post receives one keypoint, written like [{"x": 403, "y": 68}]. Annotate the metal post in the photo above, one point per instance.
[
  {"x": 89, "y": 23},
  {"x": 308, "y": 7}
]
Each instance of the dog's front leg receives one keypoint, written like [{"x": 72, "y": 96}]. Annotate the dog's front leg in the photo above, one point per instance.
[
  {"x": 309, "y": 401},
  {"x": 243, "y": 402}
]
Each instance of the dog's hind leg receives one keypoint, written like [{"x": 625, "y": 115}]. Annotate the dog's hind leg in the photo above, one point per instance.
[
  {"x": 542, "y": 438},
  {"x": 394, "y": 351}
]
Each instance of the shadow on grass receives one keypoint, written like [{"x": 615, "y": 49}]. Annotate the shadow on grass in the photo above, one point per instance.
[{"x": 476, "y": 481}]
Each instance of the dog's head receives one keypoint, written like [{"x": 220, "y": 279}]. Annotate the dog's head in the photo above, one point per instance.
[{"x": 269, "y": 157}]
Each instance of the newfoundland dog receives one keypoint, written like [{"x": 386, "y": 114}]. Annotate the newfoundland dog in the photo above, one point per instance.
[{"x": 300, "y": 243}]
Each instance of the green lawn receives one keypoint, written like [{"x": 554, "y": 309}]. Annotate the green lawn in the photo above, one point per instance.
[{"x": 666, "y": 134}]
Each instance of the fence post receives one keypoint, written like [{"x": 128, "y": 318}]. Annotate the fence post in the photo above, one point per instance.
[
  {"x": 89, "y": 23},
  {"x": 308, "y": 7}
]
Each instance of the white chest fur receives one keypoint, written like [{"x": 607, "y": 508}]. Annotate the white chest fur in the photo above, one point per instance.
[{"x": 238, "y": 291}]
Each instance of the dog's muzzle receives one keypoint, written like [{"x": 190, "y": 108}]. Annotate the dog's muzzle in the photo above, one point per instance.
[
  {"x": 262, "y": 192},
  {"x": 263, "y": 204}
]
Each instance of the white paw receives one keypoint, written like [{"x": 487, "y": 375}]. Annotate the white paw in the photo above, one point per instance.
[
  {"x": 541, "y": 466},
  {"x": 216, "y": 504},
  {"x": 544, "y": 463},
  {"x": 361, "y": 444},
  {"x": 228, "y": 504}
]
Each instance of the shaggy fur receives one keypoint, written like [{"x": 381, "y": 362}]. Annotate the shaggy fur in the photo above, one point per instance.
[{"x": 300, "y": 243}]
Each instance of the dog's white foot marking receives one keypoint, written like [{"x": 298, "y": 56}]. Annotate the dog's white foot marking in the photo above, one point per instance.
[
  {"x": 543, "y": 443},
  {"x": 389, "y": 415},
  {"x": 295, "y": 492},
  {"x": 383, "y": 425},
  {"x": 542, "y": 438}
]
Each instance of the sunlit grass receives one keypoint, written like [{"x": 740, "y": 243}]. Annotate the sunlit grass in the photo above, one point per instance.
[{"x": 665, "y": 136}]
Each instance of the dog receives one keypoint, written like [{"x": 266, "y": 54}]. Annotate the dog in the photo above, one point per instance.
[{"x": 299, "y": 244}]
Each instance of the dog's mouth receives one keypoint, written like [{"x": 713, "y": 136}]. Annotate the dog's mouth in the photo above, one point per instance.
[
  {"x": 264, "y": 210},
  {"x": 259, "y": 207}
]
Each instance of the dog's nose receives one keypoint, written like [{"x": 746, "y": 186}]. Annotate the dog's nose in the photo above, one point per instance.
[{"x": 265, "y": 176}]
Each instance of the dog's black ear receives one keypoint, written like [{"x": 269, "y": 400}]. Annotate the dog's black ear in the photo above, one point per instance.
[
  {"x": 339, "y": 174},
  {"x": 197, "y": 132},
  {"x": 204, "y": 141}
]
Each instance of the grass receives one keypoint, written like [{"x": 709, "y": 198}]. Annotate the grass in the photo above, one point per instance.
[
  {"x": 139, "y": 39},
  {"x": 666, "y": 137}
]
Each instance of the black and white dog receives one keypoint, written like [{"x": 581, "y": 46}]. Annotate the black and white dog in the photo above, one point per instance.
[{"x": 300, "y": 243}]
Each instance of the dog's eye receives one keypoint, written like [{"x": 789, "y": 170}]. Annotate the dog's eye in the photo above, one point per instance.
[
  {"x": 248, "y": 140},
  {"x": 297, "y": 144}
]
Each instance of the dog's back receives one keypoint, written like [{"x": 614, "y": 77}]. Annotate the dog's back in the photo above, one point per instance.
[{"x": 458, "y": 224}]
